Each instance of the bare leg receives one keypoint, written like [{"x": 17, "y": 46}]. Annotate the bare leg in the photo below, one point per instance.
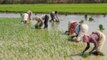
[
  {"x": 94, "y": 48},
  {"x": 87, "y": 47}
]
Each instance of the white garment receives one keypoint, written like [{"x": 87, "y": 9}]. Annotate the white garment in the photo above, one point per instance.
[
  {"x": 40, "y": 18},
  {"x": 83, "y": 30},
  {"x": 102, "y": 39},
  {"x": 25, "y": 17}
]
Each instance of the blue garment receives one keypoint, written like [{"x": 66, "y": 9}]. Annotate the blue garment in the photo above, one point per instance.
[{"x": 77, "y": 29}]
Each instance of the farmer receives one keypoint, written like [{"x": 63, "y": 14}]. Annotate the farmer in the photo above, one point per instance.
[
  {"x": 77, "y": 30},
  {"x": 45, "y": 18},
  {"x": 27, "y": 17},
  {"x": 97, "y": 38},
  {"x": 39, "y": 22},
  {"x": 54, "y": 16},
  {"x": 71, "y": 27},
  {"x": 81, "y": 30}
]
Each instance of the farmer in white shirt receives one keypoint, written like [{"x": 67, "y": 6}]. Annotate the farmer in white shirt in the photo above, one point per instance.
[
  {"x": 27, "y": 17},
  {"x": 83, "y": 30}
]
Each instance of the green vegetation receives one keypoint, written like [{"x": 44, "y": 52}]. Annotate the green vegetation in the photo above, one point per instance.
[
  {"x": 21, "y": 42},
  {"x": 64, "y": 8}
]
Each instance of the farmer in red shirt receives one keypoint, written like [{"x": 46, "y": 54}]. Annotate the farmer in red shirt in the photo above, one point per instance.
[{"x": 72, "y": 26}]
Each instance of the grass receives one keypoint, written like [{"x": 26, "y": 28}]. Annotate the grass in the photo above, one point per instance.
[
  {"x": 21, "y": 42},
  {"x": 63, "y": 8}
]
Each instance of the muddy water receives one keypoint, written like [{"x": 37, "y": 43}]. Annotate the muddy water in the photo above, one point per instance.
[{"x": 63, "y": 25}]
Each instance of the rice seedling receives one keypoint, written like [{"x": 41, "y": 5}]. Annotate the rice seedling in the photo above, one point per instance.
[
  {"x": 21, "y": 42},
  {"x": 63, "y": 8}
]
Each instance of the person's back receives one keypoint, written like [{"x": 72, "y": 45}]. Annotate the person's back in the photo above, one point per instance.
[
  {"x": 83, "y": 30},
  {"x": 25, "y": 17},
  {"x": 102, "y": 39},
  {"x": 39, "y": 23},
  {"x": 72, "y": 26},
  {"x": 54, "y": 16}
]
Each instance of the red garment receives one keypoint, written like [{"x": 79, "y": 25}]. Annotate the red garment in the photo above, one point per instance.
[{"x": 72, "y": 27}]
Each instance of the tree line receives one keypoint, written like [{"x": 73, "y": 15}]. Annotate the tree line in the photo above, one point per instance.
[{"x": 49, "y": 1}]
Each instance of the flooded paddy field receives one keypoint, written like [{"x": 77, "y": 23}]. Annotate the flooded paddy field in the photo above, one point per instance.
[{"x": 63, "y": 50}]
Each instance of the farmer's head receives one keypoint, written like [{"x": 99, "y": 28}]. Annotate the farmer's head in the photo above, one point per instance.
[
  {"x": 71, "y": 22},
  {"x": 29, "y": 11},
  {"x": 56, "y": 12},
  {"x": 101, "y": 28}
]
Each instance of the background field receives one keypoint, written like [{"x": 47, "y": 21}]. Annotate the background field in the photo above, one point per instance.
[
  {"x": 21, "y": 42},
  {"x": 64, "y": 8}
]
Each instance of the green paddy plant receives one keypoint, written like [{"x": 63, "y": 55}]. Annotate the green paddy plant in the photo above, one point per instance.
[
  {"x": 20, "y": 42},
  {"x": 62, "y": 8}
]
